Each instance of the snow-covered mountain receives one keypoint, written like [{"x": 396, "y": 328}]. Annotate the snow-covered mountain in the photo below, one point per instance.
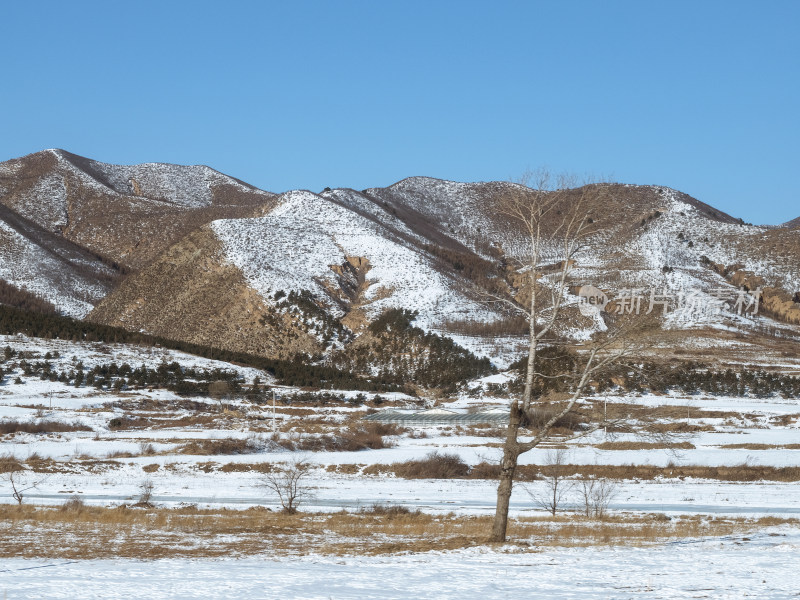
[
  {"x": 127, "y": 214},
  {"x": 215, "y": 261}
]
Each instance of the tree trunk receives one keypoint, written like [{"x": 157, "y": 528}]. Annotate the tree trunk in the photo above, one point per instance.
[{"x": 508, "y": 468}]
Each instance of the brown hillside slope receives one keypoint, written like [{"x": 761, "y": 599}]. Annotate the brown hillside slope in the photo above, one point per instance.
[{"x": 191, "y": 293}]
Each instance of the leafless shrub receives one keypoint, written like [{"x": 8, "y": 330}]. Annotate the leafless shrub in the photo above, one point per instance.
[
  {"x": 537, "y": 416},
  {"x": 248, "y": 445},
  {"x": 556, "y": 485},
  {"x": 219, "y": 391},
  {"x": 287, "y": 482},
  {"x": 145, "y": 493},
  {"x": 20, "y": 481},
  {"x": 389, "y": 510},
  {"x": 597, "y": 495},
  {"x": 363, "y": 436},
  {"x": 9, "y": 464},
  {"x": 146, "y": 448},
  {"x": 74, "y": 504}
]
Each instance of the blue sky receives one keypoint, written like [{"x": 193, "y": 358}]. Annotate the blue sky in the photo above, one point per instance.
[{"x": 699, "y": 96}]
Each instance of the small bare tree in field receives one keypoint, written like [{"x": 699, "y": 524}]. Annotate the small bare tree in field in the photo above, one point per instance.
[
  {"x": 219, "y": 391},
  {"x": 597, "y": 495},
  {"x": 145, "y": 493},
  {"x": 555, "y": 220},
  {"x": 288, "y": 483},
  {"x": 556, "y": 484},
  {"x": 20, "y": 480}
]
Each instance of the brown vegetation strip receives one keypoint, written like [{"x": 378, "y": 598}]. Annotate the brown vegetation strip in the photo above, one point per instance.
[
  {"x": 7, "y": 427},
  {"x": 743, "y": 472},
  {"x": 634, "y": 445},
  {"x": 78, "y": 531},
  {"x": 752, "y": 446}
]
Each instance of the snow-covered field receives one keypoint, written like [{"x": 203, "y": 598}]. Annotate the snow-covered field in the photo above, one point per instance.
[
  {"x": 754, "y": 432},
  {"x": 762, "y": 565},
  {"x": 106, "y": 467}
]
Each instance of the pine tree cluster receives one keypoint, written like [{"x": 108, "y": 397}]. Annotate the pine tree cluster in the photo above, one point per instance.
[{"x": 401, "y": 351}]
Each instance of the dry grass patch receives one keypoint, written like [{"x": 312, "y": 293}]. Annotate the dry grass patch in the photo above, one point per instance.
[
  {"x": 248, "y": 445},
  {"x": 435, "y": 465},
  {"x": 358, "y": 436},
  {"x": 37, "y": 427},
  {"x": 484, "y": 470},
  {"x": 751, "y": 446},
  {"x": 636, "y": 445},
  {"x": 76, "y": 530}
]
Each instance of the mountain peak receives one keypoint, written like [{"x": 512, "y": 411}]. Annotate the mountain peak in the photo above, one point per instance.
[{"x": 793, "y": 224}]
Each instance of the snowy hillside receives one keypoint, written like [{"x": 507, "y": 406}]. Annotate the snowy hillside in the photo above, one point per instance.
[
  {"x": 464, "y": 211},
  {"x": 182, "y": 186},
  {"x": 28, "y": 266},
  {"x": 295, "y": 246},
  {"x": 186, "y": 186}
]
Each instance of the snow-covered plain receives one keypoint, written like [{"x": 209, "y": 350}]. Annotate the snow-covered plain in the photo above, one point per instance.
[
  {"x": 765, "y": 432},
  {"x": 107, "y": 467},
  {"x": 761, "y": 565}
]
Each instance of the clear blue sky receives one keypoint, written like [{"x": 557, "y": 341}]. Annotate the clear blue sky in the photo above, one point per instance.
[{"x": 702, "y": 96}]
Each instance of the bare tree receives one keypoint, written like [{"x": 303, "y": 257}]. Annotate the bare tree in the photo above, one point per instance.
[
  {"x": 288, "y": 483},
  {"x": 19, "y": 479},
  {"x": 145, "y": 493},
  {"x": 556, "y": 484},
  {"x": 555, "y": 220},
  {"x": 597, "y": 495},
  {"x": 219, "y": 391}
]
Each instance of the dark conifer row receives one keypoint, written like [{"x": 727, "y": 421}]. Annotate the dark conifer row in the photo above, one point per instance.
[{"x": 296, "y": 372}]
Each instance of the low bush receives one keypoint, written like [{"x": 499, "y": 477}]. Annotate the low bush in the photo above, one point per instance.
[
  {"x": 389, "y": 510},
  {"x": 10, "y": 464},
  {"x": 126, "y": 422},
  {"x": 7, "y": 427},
  {"x": 435, "y": 465},
  {"x": 249, "y": 445},
  {"x": 74, "y": 504}
]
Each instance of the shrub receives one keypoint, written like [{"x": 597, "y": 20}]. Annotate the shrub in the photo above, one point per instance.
[
  {"x": 249, "y": 445},
  {"x": 435, "y": 465},
  {"x": 10, "y": 464},
  {"x": 74, "y": 504},
  {"x": 389, "y": 510}
]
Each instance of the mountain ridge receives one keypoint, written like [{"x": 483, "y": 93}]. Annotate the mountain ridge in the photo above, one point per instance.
[{"x": 189, "y": 253}]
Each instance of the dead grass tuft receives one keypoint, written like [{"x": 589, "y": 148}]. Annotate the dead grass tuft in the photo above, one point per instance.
[{"x": 360, "y": 436}]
